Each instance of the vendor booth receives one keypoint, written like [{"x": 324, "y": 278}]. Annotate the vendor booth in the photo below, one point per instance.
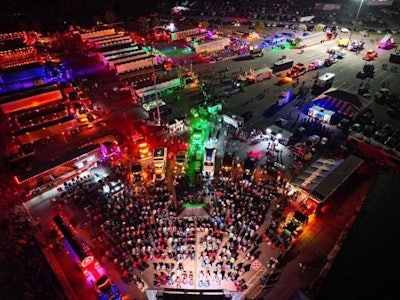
[{"x": 320, "y": 113}]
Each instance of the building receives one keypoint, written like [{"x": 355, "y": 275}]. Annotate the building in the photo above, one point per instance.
[
  {"x": 58, "y": 171},
  {"x": 36, "y": 113},
  {"x": 324, "y": 176}
]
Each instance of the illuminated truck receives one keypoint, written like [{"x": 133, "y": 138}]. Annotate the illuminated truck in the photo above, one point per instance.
[
  {"x": 160, "y": 163},
  {"x": 212, "y": 46}
]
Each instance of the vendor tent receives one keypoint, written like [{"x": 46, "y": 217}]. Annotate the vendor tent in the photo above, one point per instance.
[{"x": 344, "y": 103}]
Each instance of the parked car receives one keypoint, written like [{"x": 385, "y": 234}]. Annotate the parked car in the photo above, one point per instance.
[
  {"x": 381, "y": 96},
  {"x": 344, "y": 30},
  {"x": 344, "y": 124},
  {"x": 313, "y": 140},
  {"x": 368, "y": 131},
  {"x": 370, "y": 55},
  {"x": 324, "y": 141}
]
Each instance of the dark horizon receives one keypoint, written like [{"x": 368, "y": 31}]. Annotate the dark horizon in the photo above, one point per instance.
[{"x": 56, "y": 15}]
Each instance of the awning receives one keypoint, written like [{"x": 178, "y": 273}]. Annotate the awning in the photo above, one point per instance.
[{"x": 324, "y": 176}]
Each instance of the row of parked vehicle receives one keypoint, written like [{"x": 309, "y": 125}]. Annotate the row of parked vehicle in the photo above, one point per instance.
[{"x": 366, "y": 126}]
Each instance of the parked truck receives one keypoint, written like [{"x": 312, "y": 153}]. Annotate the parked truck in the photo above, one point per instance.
[
  {"x": 137, "y": 64},
  {"x": 212, "y": 46},
  {"x": 175, "y": 83},
  {"x": 326, "y": 80},
  {"x": 160, "y": 163},
  {"x": 282, "y": 65},
  {"x": 256, "y": 75},
  {"x": 306, "y": 19}
]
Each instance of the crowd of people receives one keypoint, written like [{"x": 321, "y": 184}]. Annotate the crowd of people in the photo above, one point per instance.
[{"x": 143, "y": 228}]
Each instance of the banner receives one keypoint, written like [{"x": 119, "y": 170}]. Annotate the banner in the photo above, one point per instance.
[
  {"x": 380, "y": 2},
  {"x": 327, "y": 6}
]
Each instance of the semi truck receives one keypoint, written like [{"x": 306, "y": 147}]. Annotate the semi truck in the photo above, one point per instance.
[
  {"x": 137, "y": 64},
  {"x": 282, "y": 65},
  {"x": 212, "y": 46},
  {"x": 172, "y": 84},
  {"x": 306, "y": 19},
  {"x": 310, "y": 39},
  {"x": 256, "y": 75}
]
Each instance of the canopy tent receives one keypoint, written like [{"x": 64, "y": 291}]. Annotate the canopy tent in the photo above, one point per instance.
[
  {"x": 324, "y": 176},
  {"x": 344, "y": 103},
  {"x": 194, "y": 212}
]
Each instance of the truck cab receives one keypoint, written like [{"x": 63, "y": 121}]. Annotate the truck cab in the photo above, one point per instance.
[
  {"x": 160, "y": 163},
  {"x": 144, "y": 151},
  {"x": 298, "y": 70},
  {"x": 136, "y": 169},
  {"x": 180, "y": 163},
  {"x": 106, "y": 289},
  {"x": 227, "y": 166},
  {"x": 249, "y": 166}
]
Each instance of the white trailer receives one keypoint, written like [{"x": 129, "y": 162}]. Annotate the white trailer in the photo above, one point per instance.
[
  {"x": 261, "y": 73},
  {"x": 113, "y": 63},
  {"x": 326, "y": 80},
  {"x": 180, "y": 35},
  {"x": 148, "y": 90},
  {"x": 212, "y": 46},
  {"x": 119, "y": 55},
  {"x": 311, "y": 39},
  {"x": 113, "y": 42},
  {"x": 137, "y": 64},
  {"x": 130, "y": 47},
  {"x": 306, "y": 19},
  {"x": 95, "y": 34}
]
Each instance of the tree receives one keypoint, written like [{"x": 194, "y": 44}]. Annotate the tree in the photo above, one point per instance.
[
  {"x": 259, "y": 27},
  {"x": 319, "y": 27},
  {"x": 109, "y": 16},
  {"x": 142, "y": 22},
  {"x": 204, "y": 24},
  {"x": 156, "y": 21}
]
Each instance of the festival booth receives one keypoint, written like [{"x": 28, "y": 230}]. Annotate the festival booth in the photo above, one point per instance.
[{"x": 321, "y": 114}]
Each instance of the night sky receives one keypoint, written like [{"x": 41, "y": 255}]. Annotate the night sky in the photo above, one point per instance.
[{"x": 48, "y": 15}]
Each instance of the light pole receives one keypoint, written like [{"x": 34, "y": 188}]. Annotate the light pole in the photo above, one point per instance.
[
  {"x": 355, "y": 20},
  {"x": 155, "y": 86}
]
